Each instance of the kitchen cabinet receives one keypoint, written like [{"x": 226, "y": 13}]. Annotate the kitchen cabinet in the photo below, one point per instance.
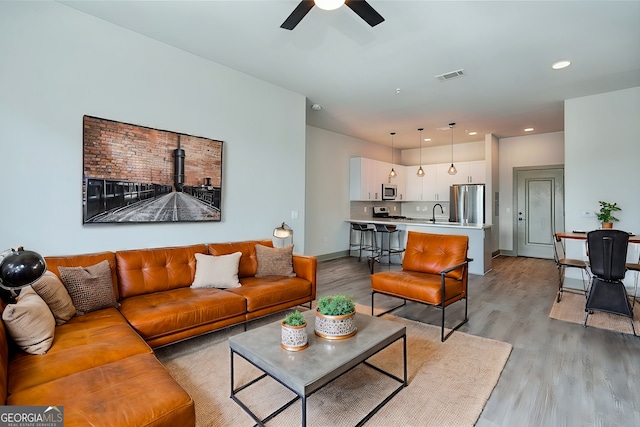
[
  {"x": 420, "y": 189},
  {"x": 367, "y": 175},
  {"x": 399, "y": 181},
  {"x": 471, "y": 172},
  {"x": 477, "y": 172},
  {"x": 445, "y": 181}
]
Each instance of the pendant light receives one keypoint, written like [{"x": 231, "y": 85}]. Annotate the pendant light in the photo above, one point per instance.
[
  {"x": 452, "y": 169},
  {"x": 420, "y": 172},
  {"x": 393, "y": 173}
]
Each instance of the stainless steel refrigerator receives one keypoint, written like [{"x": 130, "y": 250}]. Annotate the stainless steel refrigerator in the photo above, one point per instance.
[{"x": 466, "y": 203}]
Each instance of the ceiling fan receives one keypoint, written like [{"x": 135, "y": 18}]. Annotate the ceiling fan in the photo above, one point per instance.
[{"x": 360, "y": 7}]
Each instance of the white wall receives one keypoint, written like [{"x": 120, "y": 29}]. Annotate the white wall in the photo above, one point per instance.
[
  {"x": 327, "y": 203},
  {"x": 59, "y": 64},
  {"x": 466, "y": 152},
  {"x": 602, "y": 152},
  {"x": 535, "y": 150},
  {"x": 492, "y": 156}
]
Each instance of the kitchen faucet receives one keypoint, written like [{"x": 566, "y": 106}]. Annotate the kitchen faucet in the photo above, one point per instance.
[{"x": 433, "y": 212}]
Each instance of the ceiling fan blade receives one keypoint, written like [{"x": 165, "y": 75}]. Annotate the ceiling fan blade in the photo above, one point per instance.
[
  {"x": 365, "y": 11},
  {"x": 298, "y": 13}
]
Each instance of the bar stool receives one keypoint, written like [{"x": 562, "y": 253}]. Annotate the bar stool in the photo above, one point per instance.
[
  {"x": 381, "y": 251},
  {"x": 362, "y": 231}
]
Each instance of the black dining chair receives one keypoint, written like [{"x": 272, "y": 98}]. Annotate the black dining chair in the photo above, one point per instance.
[{"x": 607, "y": 262}]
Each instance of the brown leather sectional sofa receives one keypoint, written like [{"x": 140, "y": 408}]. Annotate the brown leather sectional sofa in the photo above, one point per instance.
[{"x": 101, "y": 367}]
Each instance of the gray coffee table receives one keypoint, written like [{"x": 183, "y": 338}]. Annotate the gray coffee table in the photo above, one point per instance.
[{"x": 305, "y": 372}]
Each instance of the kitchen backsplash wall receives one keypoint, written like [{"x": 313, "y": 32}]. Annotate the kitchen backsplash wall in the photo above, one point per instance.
[
  {"x": 364, "y": 210},
  {"x": 425, "y": 210}
]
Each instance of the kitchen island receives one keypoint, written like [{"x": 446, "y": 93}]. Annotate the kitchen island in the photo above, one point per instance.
[{"x": 479, "y": 236}]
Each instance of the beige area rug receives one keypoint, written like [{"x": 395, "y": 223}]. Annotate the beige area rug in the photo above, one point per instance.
[
  {"x": 571, "y": 309},
  {"x": 449, "y": 383}
]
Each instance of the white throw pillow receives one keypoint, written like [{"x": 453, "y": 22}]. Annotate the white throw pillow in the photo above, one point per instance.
[
  {"x": 219, "y": 271},
  {"x": 30, "y": 322}
]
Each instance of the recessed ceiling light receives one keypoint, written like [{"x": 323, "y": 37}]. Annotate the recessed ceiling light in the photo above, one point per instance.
[
  {"x": 528, "y": 129},
  {"x": 561, "y": 64},
  {"x": 427, "y": 139},
  {"x": 473, "y": 132}
]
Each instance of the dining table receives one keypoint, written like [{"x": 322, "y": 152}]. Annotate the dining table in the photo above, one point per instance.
[{"x": 582, "y": 235}]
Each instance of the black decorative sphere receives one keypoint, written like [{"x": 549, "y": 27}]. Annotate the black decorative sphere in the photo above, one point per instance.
[{"x": 21, "y": 268}]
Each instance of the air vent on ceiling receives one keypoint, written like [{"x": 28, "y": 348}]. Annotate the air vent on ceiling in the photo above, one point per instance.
[{"x": 451, "y": 75}]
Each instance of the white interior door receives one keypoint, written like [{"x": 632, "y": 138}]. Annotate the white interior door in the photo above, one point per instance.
[{"x": 540, "y": 211}]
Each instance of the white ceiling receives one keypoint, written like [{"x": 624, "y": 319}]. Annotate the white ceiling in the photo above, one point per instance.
[{"x": 353, "y": 71}]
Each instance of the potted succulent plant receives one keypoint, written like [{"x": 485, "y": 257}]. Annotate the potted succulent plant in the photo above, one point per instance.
[
  {"x": 294, "y": 332},
  {"x": 335, "y": 317},
  {"x": 604, "y": 214}
]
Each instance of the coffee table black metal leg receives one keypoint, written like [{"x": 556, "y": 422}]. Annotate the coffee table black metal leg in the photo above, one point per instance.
[{"x": 304, "y": 411}]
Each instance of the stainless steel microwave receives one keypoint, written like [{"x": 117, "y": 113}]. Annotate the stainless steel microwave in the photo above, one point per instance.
[{"x": 389, "y": 191}]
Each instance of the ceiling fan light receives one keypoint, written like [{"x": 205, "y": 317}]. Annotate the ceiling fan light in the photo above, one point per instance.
[{"x": 329, "y": 4}]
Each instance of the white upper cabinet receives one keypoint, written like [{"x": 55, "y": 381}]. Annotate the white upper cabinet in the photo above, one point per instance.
[
  {"x": 366, "y": 177},
  {"x": 435, "y": 185},
  {"x": 477, "y": 172},
  {"x": 399, "y": 181},
  {"x": 470, "y": 172},
  {"x": 445, "y": 181},
  {"x": 419, "y": 189}
]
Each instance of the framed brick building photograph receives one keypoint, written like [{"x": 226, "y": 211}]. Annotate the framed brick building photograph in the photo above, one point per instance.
[{"x": 136, "y": 174}]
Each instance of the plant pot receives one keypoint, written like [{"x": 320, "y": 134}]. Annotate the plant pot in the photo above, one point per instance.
[
  {"x": 294, "y": 338},
  {"x": 607, "y": 225},
  {"x": 335, "y": 327}
]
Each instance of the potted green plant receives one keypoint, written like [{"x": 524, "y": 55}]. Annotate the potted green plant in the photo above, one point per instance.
[
  {"x": 294, "y": 332},
  {"x": 335, "y": 317},
  {"x": 604, "y": 214}
]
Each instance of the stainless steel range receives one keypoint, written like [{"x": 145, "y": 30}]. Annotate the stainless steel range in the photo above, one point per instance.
[{"x": 383, "y": 212}]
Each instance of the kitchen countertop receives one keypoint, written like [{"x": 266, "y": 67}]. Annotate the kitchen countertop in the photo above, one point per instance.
[{"x": 420, "y": 222}]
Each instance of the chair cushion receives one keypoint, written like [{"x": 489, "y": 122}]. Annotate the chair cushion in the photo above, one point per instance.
[
  {"x": 134, "y": 391},
  {"x": 416, "y": 286},
  {"x": 159, "y": 314},
  {"x": 270, "y": 291},
  {"x": 84, "y": 342},
  {"x": 432, "y": 253}
]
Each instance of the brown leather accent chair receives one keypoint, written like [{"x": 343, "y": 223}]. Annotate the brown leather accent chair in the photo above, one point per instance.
[{"x": 434, "y": 272}]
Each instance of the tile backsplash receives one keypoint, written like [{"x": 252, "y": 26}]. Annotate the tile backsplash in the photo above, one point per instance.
[{"x": 364, "y": 210}]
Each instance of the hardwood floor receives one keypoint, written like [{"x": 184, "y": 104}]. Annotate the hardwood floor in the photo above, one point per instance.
[{"x": 558, "y": 374}]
